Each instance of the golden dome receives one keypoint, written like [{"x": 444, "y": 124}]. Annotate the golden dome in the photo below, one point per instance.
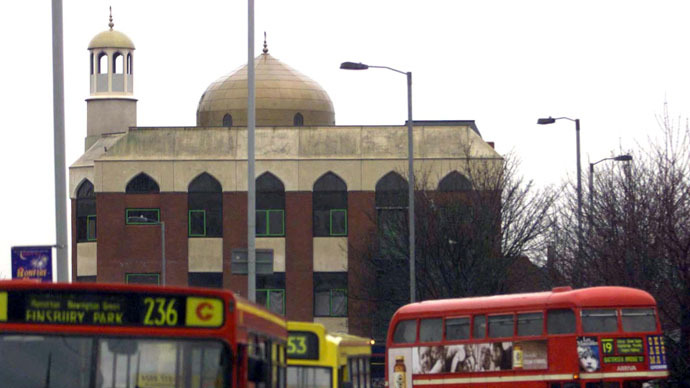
[
  {"x": 110, "y": 38},
  {"x": 281, "y": 93}
]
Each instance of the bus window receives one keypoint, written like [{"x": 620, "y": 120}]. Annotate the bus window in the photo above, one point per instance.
[
  {"x": 530, "y": 324},
  {"x": 501, "y": 326},
  {"x": 457, "y": 328},
  {"x": 593, "y": 385},
  {"x": 405, "y": 332},
  {"x": 599, "y": 321},
  {"x": 612, "y": 384},
  {"x": 431, "y": 330},
  {"x": 479, "y": 326},
  {"x": 638, "y": 320},
  {"x": 560, "y": 321},
  {"x": 308, "y": 377}
]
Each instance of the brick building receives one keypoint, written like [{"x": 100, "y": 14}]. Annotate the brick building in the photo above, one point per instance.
[{"x": 316, "y": 185}]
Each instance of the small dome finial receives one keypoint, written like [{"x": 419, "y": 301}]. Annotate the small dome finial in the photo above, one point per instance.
[
  {"x": 111, "y": 24},
  {"x": 265, "y": 45}
]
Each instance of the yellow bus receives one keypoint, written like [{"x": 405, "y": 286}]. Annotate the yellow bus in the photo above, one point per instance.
[{"x": 319, "y": 359}]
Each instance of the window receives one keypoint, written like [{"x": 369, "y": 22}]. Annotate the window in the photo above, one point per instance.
[
  {"x": 405, "y": 332},
  {"x": 102, "y": 63},
  {"x": 329, "y": 206},
  {"x": 270, "y": 292},
  {"x": 309, "y": 377},
  {"x": 599, "y": 321},
  {"x": 560, "y": 321},
  {"x": 142, "y": 216},
  {"x": 298, "y": 121},
  {"x": 431, "y": 330},
  {"x": 479, "y": 326},
  {"x": 118, "y": 63},
  {"x": 501, "y": 326},
  {"x": 634, "y": 320},
  {"x": 91, "y": 63},
  {"x": 142, "y": 184},
  {"x": 142, "y": 278},
  {"x": 270, "y": 206},
  {"x": 530, "y": 324},
  {"x": 457, "y": 328},
  {"x": 129, "y": 63},
  {"x": 205, "y": 204},
  {"x": 391, "y": 213},
  {"x": 454, "y": 181},
  {"x": 330, "y": 294},
  {"x": 227, "y": 120},
  {"x": 205, "y": 279},
  {"x": 86, "y": 212}
]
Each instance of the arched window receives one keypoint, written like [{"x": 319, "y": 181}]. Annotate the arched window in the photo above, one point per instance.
[
  {"x": 91, "y": 63},
  {"x": 227, "y": 120},
  {"x": 102, "y": 63},
  {"x": 391, "y": 213},
  {"x": 129, "y": 63},
  {"x": 142, "y": 184},
  {"x": 298, "y": 120},
  {"x": 454, "y": 181},
  {"x": 329, "y": 206},
  {"x": 270, "y": 206},
  {"x": 86, "y": 212},
  {"x": 118, "y": 63},
  {"x": 205, "y": 205}
]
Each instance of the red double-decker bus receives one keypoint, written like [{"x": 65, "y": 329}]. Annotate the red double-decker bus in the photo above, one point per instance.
[
  {"x": 125, "y": 336},
  {"x": 600, "y": 337}
]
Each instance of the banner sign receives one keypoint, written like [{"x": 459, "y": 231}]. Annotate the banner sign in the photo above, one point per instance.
[{"x": 33, "y": 263}]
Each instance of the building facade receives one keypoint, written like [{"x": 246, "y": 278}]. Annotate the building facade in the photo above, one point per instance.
[{"x": 144, "y": 196}]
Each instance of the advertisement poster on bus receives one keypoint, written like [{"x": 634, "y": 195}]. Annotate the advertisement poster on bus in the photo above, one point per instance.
[
  {"x": 400, "y": 368},
  {"x": 33, "y": 262},
  {"x": 588, "y": 353},
  {"x": 657, "y": 352},
  {"x": 532, "y": 354}
]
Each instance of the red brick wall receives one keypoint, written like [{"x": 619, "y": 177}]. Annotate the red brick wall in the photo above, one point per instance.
[
  {"x": 299, "y": 252},
  {"x": 234, "y": 236},
  {"x": 361, "y": 228}
]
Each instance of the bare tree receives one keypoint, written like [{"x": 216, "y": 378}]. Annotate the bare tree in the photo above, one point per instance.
[
  {"x": 474, "y": 232},
  {"x": 638, "y": 232}
]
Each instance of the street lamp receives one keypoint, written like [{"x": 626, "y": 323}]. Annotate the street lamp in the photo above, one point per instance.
[
  {"x": 410, "y": 163},
  {"x": 162, "y": 225},
  {"x": 619, "y": 158},
  {"x": 551, "y": 120}
]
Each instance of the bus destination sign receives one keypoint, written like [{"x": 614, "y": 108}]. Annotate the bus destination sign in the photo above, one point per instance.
[
  {"x": 303, "y": 345},
  {"x": 109, "y": 309},
  {"x": 623, "y": 350}
]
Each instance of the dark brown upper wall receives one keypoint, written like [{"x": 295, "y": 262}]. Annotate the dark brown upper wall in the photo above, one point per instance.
[{"x": 299, "y": 252}]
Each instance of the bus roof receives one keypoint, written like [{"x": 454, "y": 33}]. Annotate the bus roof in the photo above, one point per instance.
[{"x": 560, "y": 297}]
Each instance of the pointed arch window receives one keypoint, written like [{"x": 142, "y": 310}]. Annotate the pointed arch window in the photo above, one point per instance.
[
  {"x": 86, "y": 212},
  {"x": 329, "y": 206},
  {"x": 91, "y": 63},
  {"x": 453, "y": 182},
  {"x": 142, "y": 184},
  {"x": 391, "y": 213},
  {"x": 102, "y": 63},
  {"x": 227, "y": 120},
  {"x": 129, "y": 63},
  {"x": 270, "y": 206},
  {"x": 298, "y": 120},
  {"x": 205, "y": 206},
  {"x": 118, "y": 64}
]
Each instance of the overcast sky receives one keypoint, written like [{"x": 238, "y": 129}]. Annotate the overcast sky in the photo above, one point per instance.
[{"x": 612, "y": 64}]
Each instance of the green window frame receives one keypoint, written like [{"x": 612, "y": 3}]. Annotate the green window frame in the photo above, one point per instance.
[
  {"x": 189, "y": 223},
  {"x": 267, "y": 214},
  {"x": 335, "y": 211},
  {"x": 132, "y": 275},
  {"x": 91, "y": 220},
  {"x": 156, "y": 220},
  {"x": 268, "y": 291}
]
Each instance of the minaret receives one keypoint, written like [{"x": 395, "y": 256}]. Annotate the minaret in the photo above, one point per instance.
[{"x": 111, "y": 107}]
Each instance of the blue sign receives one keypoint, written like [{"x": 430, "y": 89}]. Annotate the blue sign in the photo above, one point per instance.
[
  {"x": 657, "y": 352},
  {"x": 33, "y": 263}
]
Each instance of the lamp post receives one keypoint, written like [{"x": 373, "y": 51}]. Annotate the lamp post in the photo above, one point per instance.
[
  {"x": 162, "y": 225},
  {"x": 619, "y": 158},
  {"x": 410, "y": 164},
  {"x": 551, "y": 120}
]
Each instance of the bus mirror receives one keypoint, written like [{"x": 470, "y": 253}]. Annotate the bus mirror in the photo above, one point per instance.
[
  {"x": 257, "y": 370},
  {"x": 122, "y": 346}
]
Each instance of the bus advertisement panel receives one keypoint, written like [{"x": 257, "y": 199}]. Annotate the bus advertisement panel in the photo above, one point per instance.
[{"x": 563, "y": 338}]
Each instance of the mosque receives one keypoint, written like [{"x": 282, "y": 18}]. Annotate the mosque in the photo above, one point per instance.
[{"x": 139, "y": 194}]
